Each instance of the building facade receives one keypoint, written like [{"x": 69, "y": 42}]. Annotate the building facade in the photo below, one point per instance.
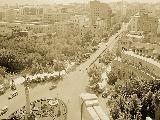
[
  {"x": 142, "y": 21},
  {"x": 99, "y": 10},
  {"x": 55, "y": 17}
]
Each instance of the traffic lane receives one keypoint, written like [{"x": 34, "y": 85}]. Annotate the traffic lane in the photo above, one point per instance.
[
  {"x": 67, "y": 91},
  {"x": 20, "y": 100},
  {"x": 4, "y": 98}
]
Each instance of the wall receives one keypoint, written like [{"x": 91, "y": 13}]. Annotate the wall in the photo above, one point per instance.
[{"x": 90, "y": 108}]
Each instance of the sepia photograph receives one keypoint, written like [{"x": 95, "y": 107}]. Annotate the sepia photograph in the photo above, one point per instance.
[{"x": 79, "y": 59}]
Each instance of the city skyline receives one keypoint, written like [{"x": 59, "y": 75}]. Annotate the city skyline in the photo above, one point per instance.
[{"x": 37, "y": 2}]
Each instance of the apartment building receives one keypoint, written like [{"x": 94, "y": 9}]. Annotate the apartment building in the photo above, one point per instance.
[
  {"x": 142, "y": 21},
  {"x": 55, "y": 17},
  {"x": 31, "y": 10},
  {"x": 99, "y": 10},
  {"x": 65, "y": 28}
]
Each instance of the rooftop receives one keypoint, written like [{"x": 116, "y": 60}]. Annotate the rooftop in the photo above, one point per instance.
[{"x": 135, "y": 36}]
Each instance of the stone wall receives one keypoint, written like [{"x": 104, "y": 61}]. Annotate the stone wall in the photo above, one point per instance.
[{"x": 90, "y": 108}]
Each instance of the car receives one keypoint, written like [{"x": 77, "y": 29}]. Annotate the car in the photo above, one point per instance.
[
  {"x": 2, "y": 89},
  {"x": 52, "y": 87},
  {"x": 13, "y": 87},
  {"x": 105, "y": 94},
  {"x": 3, "y": 110},
  {"x": 12, "y": 95}
]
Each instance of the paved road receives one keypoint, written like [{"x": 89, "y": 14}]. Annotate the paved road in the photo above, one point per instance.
[{"x": 67, "y": 90}]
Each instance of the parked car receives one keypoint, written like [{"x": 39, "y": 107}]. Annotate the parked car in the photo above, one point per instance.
[
  {"x": 13, "y": 87},
  {"x": 105, "y": 94},
  {"x": 52, "y": 87},
  {"x": 2, "y": 89},
  {"x": 45, "y": 114},
  {"x": 12, "y": 95},
  {"x": 3, "y": 110}
]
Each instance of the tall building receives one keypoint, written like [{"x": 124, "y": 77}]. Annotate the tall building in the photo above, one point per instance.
[
  {"x": 31, "y": 10},
  {"x": 123, "y": 9},
  {"x": 31, "y": 13},
  {"x": 99, "y": 10},
  {"x": 143, "y": 22}
]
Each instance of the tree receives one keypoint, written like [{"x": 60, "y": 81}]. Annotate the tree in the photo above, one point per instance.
[
  {"x": 95, "y": 75},
  {"x": 136, "y": 99},
  {"x": 59, "y": 66},
  {"x": 112, "y": 78},
  {"x": 107, "y": 58},
  {"x": 88, "y": 37}
]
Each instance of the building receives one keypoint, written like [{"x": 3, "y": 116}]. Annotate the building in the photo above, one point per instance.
[
  {"x": 103, "y": 24},
  {"x": 31, "y": 13},
  {"x": 142, "y": 21},
  {"x": 53, "y": 17},
  {"x": 123, "y": 9},
  {"x": 24, "y": 13},
  {"x": 96, "y": 31},
  {"x": 124, "y": 43},
  {"x": 136, "y": 36},
  {"x": 66, "y": 28},
  {"x": 84, "y": 30},
  {"x": 99, "y": 10},
  {"x": 31, "y": 10},
  {"x": 80, "y": 20}
]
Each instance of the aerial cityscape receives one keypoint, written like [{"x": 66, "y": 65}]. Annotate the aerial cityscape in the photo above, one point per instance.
[{"x": 80, "y": 60}]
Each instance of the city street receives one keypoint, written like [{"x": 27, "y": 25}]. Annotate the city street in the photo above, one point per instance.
[{"x": 68, "y": 90}]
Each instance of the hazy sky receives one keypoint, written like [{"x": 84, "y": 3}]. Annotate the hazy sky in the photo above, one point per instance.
[{"x": 63, "y": 1}]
